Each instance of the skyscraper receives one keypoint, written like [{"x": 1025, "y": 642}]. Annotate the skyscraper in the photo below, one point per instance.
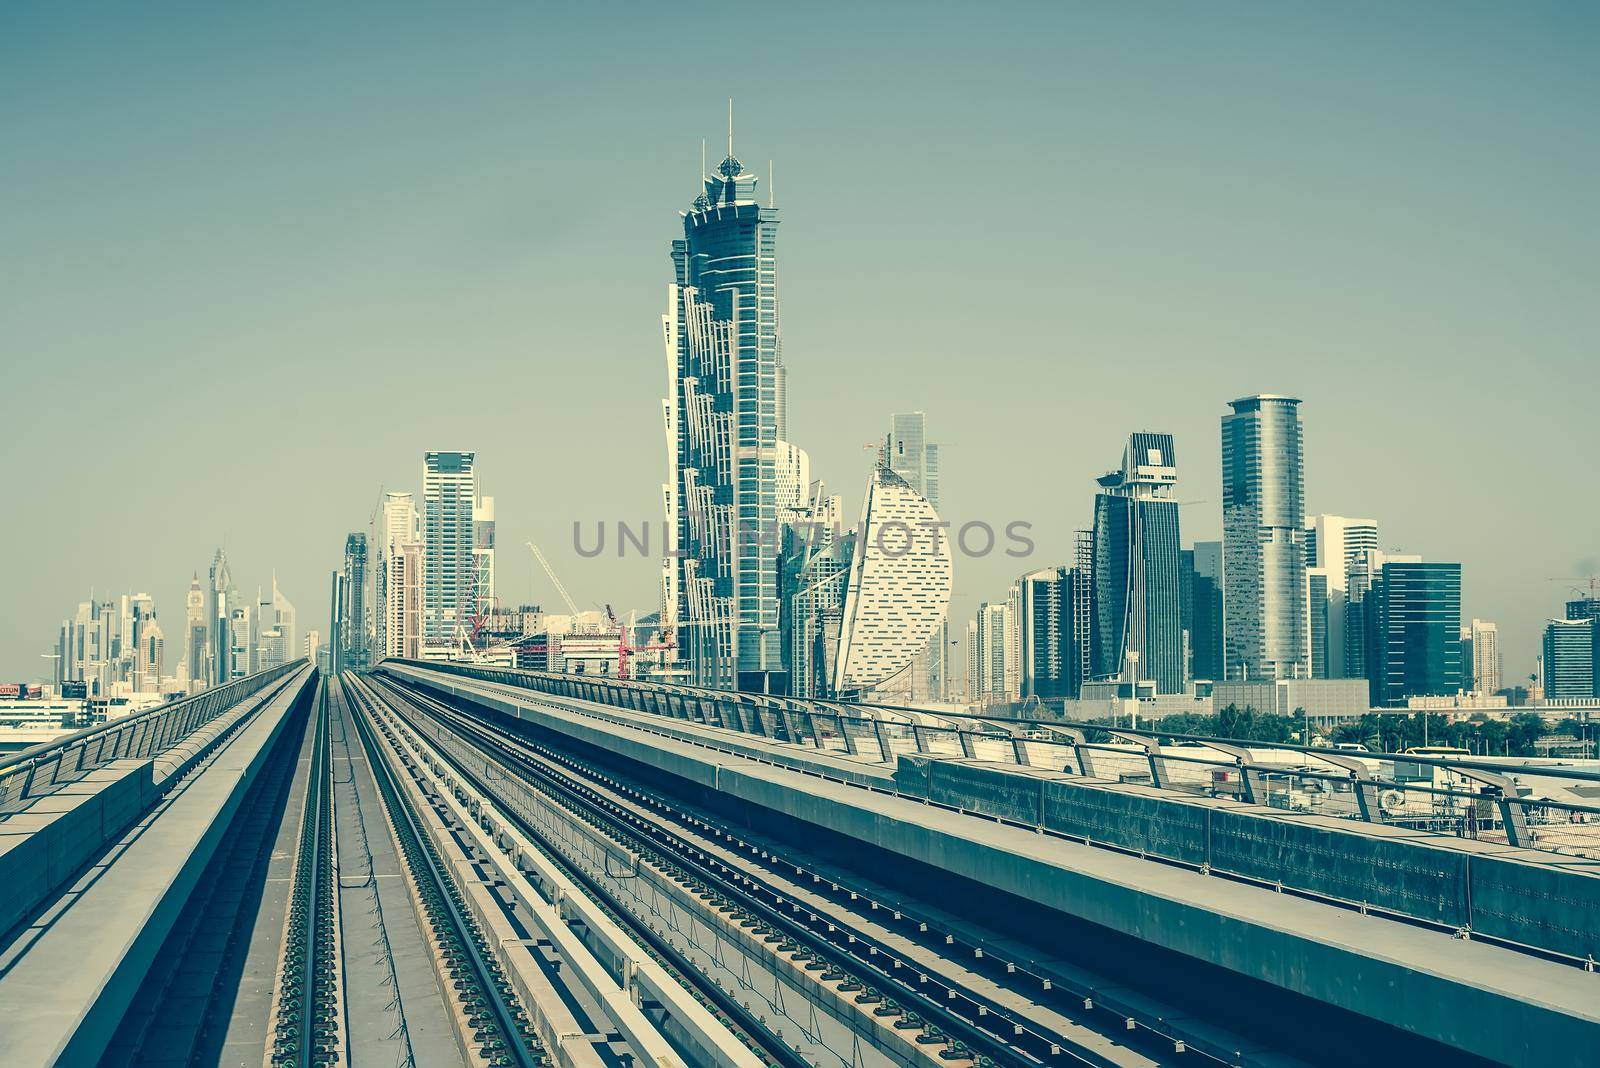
[
  {"x": 814, "y": 569},
  {"x": 1589, "y": 608},
  {"x": 402, "y": 607},
  {"x": 356, "y": 654},
  {"x": 285, "y": 619},
  {"x": 483, "y": 596},
  {"x": 217, "y": 615},
  {"x": 1319, "y": 611},
  {"x": 1363, "y": 574},
  {"x": 898, "y": 589},
  {"x": 275, "y": 618},
  {"x": 1485, "y": 638},
  {"x": 336, "y": 613},
  {"x": 910, "y": 455},
  {"x": 1332, "y": 543},
  {"x": 1263, "y": 540},
  {"x": 722, "y": 417},
  {"x": 1138, "y": 632},
  {"x": 1047, "y": 658},
  {"x": 195, "y": 647},
  {"x": 1569, "y": 659},
  {"x": 991, "y": 655},
  {"x": 400, "y": 526},
  {"x": 449, "y": 493},
  {"x": 141, "y": 614},
  {"x": 238, "y": 662},
  {"x": 1417, "y": 651},
  {"x": 1205, "y": 613}
]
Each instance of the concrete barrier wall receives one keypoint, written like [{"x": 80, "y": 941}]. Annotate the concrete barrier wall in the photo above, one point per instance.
[
  {"x": 1395, "y": 874},
  {"x": 1539, "y": 902},
  {"x": 1509, "y": 1007},
  {"x": 42, "y": 847},
  {"x": 115, "y": 927},
  {"x": 985, "y": 788},
  {"x": 1128, "y": 819},
  {"x": 1537, "y": 899}
]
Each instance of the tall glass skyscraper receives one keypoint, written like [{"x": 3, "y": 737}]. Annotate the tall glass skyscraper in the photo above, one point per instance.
[
  {"x": 354, "y": 618},
  {"x": 1137, "y": 619},
  {"x": 723, "y": 428},
  {"x": 1205, "y": 614},
  {"x": 1569, "y": 658},
  {"x": 1333, "y": 545},
  {"x": 449, "y": 494},
  {"x": 1048, "y": 657},
  {"x": 1417, "y": 651},
  {"x": 1263, "y": 540}
]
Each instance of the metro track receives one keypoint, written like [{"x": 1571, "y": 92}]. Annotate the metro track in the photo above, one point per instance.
[
  {"x": 977, "y": 1027},
  {"x": 740, "y": 1020},
  {"x": 306, "y": 1026},
  {"x": 500, "y": 1028}
]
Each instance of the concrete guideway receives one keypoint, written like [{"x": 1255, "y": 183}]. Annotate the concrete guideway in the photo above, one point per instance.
[
  {"x": 1477, "y": 998},
  {"x": 718, "y": 946},
  {"x": 113, "y": 922},
  {"x": 492, "y": 1023},
  {"x": 555, "y": 907},
  {"x": 829, "y": 952},
  {"x": 395, "y": 1005}
]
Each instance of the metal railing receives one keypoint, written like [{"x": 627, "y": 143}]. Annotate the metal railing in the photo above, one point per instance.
[
  {"x": 142, "y": 734},
  {"x": 1472, "y": 798}
]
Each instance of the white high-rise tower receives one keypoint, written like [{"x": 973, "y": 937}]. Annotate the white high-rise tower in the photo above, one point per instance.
[
  {"x": 449, "y": 495},
  {"x": 1265, "y": 623}
]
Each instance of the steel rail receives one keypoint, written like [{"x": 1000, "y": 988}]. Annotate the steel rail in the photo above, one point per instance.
[
  {"x": 508, "y": 1020},
  {"x": 308, "y": 991},
  {"x": 849, "y": 950},
  {"x": 741, "y": 1019}
]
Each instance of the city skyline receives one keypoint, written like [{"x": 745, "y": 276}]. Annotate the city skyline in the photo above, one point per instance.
[{"x": 1364, "y": 447}]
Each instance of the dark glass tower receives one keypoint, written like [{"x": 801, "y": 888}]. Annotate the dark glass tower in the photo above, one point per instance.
[
  {"x": 721, "y": 329},
  {"x": 1137, "y": 604},
  {"x": 1205, "y": 612},
  {"x": 356, "y": 653},
  {"x": 1414, "y": 614}
]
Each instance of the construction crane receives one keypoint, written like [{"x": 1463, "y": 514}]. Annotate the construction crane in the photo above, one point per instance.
[
  {"x": 1592, "y": 580},
  {"x": 572, "y": 606}
]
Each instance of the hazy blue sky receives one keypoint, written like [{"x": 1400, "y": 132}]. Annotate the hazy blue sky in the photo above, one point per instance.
[{"x": 255, "y": 258}]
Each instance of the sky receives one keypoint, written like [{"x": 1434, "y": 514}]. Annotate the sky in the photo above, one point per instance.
[{"x": 256, "y": 258}]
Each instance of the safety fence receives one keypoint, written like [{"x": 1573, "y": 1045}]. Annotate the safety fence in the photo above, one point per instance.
[
  {"x": 1531, "y": 805},
  {"x": 142, "y": 734}
]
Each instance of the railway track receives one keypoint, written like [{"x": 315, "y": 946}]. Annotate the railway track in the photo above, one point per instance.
[
  {"x": 306, "y": 1023},
  {"x": 970, "y": 1026},
  {"x": 499, "y": 1028},
  {"x": 736, "y": 1017}
]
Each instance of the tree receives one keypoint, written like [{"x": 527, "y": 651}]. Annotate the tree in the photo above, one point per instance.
[{"x": 1525, "y": 729}]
